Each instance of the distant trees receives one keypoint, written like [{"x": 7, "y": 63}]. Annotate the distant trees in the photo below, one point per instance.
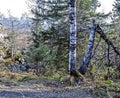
[{"x": 12, "y": 28}]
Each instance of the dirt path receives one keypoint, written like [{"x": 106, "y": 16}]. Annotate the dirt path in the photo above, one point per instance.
[
  {"x": 42, "y": 91},
  {"x": 46, "y": 89},
  {"x": 44, "y": 94}
]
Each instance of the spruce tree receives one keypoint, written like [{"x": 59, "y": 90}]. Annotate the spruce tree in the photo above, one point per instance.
[{"x": 54, "y": 14}]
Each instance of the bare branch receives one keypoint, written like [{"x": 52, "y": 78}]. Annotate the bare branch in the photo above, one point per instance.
[{"x": 103, "y": 36}]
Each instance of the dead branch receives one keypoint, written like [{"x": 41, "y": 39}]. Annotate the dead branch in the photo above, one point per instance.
[{"x": 103, "y": 36}]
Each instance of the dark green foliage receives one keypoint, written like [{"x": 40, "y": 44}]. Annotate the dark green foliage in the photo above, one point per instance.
[
  {"x": 54, "y": 13},
  {"x": 117, "y": 7},
  {"x": 38, "y": 54},
  {"x": 18, "y": 55}
]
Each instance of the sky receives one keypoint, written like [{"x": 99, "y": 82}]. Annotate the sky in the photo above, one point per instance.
[
  {"x": 106, "y": 6},
  {"x": 18, "y": 7}
]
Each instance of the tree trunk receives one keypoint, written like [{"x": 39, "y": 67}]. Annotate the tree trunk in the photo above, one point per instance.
[
  {"x": 88, "y": 53},
  {"x": 37, "y": 68},
  {"x": 72, "y": 46}
]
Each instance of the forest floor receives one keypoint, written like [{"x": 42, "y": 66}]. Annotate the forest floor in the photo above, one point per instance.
[{"x": 27, "y": 87}]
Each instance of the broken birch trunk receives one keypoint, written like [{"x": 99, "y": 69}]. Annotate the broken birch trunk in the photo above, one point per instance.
[{"x": 88, "y": 53}]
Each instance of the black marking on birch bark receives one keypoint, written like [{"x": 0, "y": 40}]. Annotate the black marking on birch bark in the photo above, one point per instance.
[{"x": 71, "y": 3}]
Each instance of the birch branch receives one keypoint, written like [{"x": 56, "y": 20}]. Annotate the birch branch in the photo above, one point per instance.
[{"x": 103, "y": 36}]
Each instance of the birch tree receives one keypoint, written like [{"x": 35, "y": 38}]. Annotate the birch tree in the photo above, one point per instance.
[
  {"x": 88, "y": 53},
  {"x": 72, "y": 51}
]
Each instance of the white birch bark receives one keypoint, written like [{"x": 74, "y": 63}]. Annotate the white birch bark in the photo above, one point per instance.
[
  {"x": 72, "y": 45},
  {"x": 88, "y": 53}
]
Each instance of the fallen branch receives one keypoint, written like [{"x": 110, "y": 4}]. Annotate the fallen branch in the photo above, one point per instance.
[{"x": 103, "y": 36}]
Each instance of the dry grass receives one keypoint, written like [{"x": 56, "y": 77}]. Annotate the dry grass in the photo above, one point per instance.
[
  {"x": 13, "y": 76},
  {"x": 2, "y": 74}
]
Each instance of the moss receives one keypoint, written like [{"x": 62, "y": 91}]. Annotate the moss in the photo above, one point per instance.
[{"x": 26, "y": 78}]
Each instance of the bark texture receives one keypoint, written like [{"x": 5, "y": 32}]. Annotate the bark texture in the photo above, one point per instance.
[
  {"x": 72, "y": 46},
  {"x": 88, "y": 53}
]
